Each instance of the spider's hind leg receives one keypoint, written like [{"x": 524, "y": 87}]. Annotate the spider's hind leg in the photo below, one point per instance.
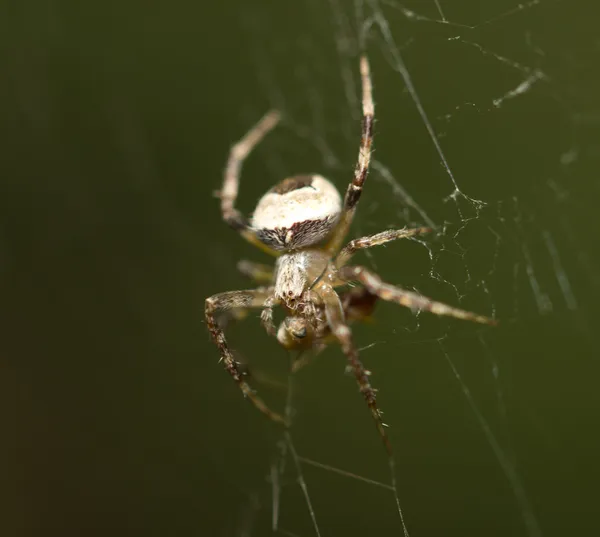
[
  {"x": 224, "y": 302},
  {"x": 355, "y": 188},
  {"x": 231, "y": 182}
]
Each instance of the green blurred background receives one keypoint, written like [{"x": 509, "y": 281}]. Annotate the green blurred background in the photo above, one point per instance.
[{"x": 116, "y": 119}]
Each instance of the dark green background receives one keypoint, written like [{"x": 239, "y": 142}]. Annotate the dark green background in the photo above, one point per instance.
[{"x": 116, "y": 118}]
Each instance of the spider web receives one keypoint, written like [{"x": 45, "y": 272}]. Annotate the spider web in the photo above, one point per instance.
[
  {"x": 481, "y": 132},
  {"x": 117, "y": 119}
]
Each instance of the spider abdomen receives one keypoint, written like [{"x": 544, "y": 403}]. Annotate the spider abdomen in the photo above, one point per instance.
[{"x": 297, "y": 212}]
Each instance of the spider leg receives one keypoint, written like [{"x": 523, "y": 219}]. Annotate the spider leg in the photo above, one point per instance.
[
  {"x": 266, "y": 316},
  {"x": 358, "y": 305},
  {"x": 335, "y": 318},
  {"x": 225, "y": 318},
  {"x": 224, "y": 302},
  {"x": 258, "y": 272},
  {"x": 375, "y": 285},
  {"x": 375, "y": 240},
  {"x": 231, "y": 181},
  {"x": 362, "y": 165}
]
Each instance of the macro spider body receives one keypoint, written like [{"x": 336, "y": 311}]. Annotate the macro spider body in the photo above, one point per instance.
[{"x": 303, "y": 221}]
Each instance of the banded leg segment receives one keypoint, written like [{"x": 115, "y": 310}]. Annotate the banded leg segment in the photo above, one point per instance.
[
  {"x": 224, "y": 302},
  {"x": 375, "y": 285},
  {"x": 266, "y": 316},
  {"x": 375, "y": 240},
  {"x": 361, "y": 171},
  {"x": 231, "y": 181},
  {"x": 335, "y": 318}
]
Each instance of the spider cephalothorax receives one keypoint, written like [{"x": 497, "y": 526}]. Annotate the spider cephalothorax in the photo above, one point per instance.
[{"x": 302, "y": 221}]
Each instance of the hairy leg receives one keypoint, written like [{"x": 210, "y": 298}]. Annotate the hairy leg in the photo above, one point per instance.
[
  {"x": 375, "y": 285},
  {"x": 358, "y": 305},
  {"x": 354, "y": 190},
  {"x": 231, "y": 181},
  {"x": 266, "y": 316},
  {"x": 375, "y": 240},
  {"x": 340, "y": 329},
  {"x": 224, "y": 302}
]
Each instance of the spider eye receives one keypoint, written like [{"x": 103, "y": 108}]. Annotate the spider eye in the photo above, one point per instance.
[{"x": 297, "y": 212}]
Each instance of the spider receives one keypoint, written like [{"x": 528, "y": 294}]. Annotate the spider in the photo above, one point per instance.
[{"x": 302, "y": 221}]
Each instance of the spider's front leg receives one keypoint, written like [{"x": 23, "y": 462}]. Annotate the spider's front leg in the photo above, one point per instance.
[
  {"x": 375, "y": 285},
  {"x": 260, "y": 274},
  {"x": 336, "y": 320},
  {"x": 224, "y": 302}
]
